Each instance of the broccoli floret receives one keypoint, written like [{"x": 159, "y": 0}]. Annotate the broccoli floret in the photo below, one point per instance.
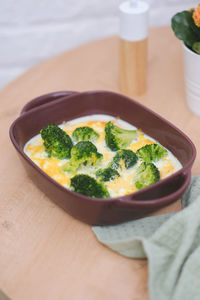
[
  {"x": 147, "y": 174},
  {"x": 124, "y": 159},
  {"x": 85, "y": 134},
  {"x": 107, "y": 174},
  {"x": 86, "y": 185},
  {"x": 56, "y": 142},
  {"x": 82, "y": 154},
  {"x": 118, "y": 138},
  {"x": 151, "y": 153}
]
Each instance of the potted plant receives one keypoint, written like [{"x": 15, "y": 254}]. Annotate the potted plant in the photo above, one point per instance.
[{"x": 186, "y": 26}]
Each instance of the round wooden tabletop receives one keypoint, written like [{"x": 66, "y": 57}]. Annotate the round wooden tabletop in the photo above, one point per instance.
[{"x": 44, "y": 252}]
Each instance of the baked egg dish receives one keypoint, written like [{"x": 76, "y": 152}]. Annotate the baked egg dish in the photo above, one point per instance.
[{"x": 100, "y": 156}]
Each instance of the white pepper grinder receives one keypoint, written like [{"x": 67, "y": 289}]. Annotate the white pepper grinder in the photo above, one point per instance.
[{"x": 133, "y": 47}]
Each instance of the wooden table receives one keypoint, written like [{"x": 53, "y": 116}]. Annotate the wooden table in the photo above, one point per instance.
[{"x": 45, "y": 253}]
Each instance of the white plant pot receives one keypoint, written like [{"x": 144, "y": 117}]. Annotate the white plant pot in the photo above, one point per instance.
[{"x": 192, "y": 79}]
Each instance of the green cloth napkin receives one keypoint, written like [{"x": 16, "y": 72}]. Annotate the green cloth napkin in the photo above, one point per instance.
[{"x": 170, "y": 242}]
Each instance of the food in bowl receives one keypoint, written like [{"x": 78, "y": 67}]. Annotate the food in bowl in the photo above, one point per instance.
[
  {"x": 100, "y": 156},
  {"x": 59, "y": 106}
]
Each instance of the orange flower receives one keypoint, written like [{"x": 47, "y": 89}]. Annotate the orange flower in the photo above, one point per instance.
[{"x": 196, "y": 16}]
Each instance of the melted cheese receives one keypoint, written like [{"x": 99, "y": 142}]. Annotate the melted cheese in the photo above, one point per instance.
[
  {"x": 142, "y": 141},
  {"x": 121, "y": 185}
]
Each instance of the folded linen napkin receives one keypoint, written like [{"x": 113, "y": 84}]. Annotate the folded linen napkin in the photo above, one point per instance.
[{"x": 170, "y": 242}]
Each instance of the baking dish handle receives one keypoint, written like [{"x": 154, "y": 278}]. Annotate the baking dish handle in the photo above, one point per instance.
[
  {"x": 143, "y": 201},
  {"x": 44, "y": 99}
]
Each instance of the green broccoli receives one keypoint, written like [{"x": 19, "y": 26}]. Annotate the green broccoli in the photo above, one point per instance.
[
  {"x": 82, "y": 154},
  {"x": 151, "y": 153},
  {"x": 118, "y": 138},
  {"x": 85, "y": 134},
  {"x": 56, "y": 142},
  {"x": 86, "y": 185},
  {"x": 107, "y": 174},
  {"x": 147, "y": 174},
  {"x": 124, "y": 158}
]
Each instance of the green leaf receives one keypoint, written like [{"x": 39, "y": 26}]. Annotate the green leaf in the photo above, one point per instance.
[
  {"x": 196, "y": 47},
  {"x": 196, "y": 30},
  {"x": 183, "y": 26}
]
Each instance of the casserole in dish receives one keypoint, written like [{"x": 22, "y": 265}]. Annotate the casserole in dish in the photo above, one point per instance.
[{"x": 65, "y": 106}]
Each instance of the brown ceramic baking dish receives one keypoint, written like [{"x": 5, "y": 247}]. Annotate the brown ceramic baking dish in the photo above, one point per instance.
[{"x": 64, "y": 106}]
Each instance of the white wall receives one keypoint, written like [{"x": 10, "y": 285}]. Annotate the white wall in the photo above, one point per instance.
[{"x": 32, "y": 30}]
